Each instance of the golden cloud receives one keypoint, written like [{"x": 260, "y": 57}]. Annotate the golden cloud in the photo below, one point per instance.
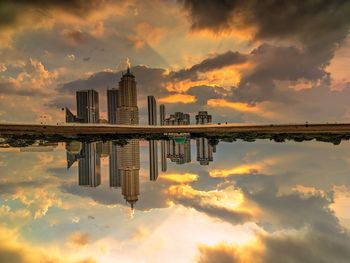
[
  {"x": 178, "y": 98},
  {"x": 181, "y": 178}
]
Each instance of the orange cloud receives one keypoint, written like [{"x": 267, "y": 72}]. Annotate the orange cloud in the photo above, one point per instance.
[
  {"x": 79, "y": 239},
  {"x": 178, "y": 98},
  {"x": 181, "y": 178},
  {"x": 256, "y": 109}
]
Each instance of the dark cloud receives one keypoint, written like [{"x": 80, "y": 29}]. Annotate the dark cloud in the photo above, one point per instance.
[
  {"x": 287, "y": 210},
  {"x": 204, "y": 93},
  {"x": 216, "y": 62},
  {"x": 73, "y": 36},
  {"x": 10, "y": 11},
  {"x": 274, "y": 63},
  {"x": 304, "y": 19}
]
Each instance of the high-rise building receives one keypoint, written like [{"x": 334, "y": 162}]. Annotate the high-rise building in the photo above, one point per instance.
[
  {"x": 112, "y": 105},
  {"x": 153, "y": 147},
  {"x": 89, "y": 166},
  {"x": 203, "y": 118},
  {"x": 152, "y": 110},
  {"x": 87, "y": 106},
  {"x": 128, "y": 156},
  {"x": 127, "y": 112},
  {"x": 162, "y": 114}
]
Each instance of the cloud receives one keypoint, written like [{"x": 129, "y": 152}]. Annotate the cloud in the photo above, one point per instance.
[
  {"x": 215, "y": 62},
  {"x": 11, "y": 12},
  {"x": 73, "y": 37},
  {"x": 308, "y": 20},
  {"x": 79, "y": 239}
]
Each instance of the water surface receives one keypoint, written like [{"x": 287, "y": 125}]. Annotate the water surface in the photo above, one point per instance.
[{"x": 175, "y": 201}]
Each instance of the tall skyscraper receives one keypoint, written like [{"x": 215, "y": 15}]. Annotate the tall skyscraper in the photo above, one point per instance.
[
  {"x": 153, "y": 147},
  {"x": 127, "y": 111},
  {"x": 152, "y": 110},
  {"x": 89, "y": 166},
  {"x": 162, "y": 142},
  {"x": 88, "y": 106},
  {"x": 112, "y": 105},
  {"x": 162, "y": 114},
  {"x": 128, "y": 156}
]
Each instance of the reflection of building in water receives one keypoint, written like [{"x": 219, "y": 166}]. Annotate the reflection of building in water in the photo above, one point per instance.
[
  {"x": 89, "y": 166},
  {"x": 129, "y": 167},
  {"x": 114, "y": 174},
  {"x": 103, "y": 149},
  {"x": 179, "y": 152},
  {"x": 153, "y": 147},
  {"x": 204, "y": 149}
]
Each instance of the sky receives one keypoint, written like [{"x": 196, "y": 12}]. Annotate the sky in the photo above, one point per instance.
[
  {"x": 243, "y": 61},
  {"x": 256, "y": 202}
]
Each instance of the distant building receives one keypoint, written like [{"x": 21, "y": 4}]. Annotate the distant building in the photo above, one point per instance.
[
  {"x": 178, "y": 118},
  {"x": 70, "y": 117},
  {"x": 163, "y": 155},
  {"x": 161, "y": 114},
  {"x": 87, "y": 106},
  {"x": 203, "y": 118},
  {"x": 112, "y": 105}
]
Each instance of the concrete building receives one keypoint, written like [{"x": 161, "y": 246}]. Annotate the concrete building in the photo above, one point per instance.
[
  {"x": 87, "y": 106},
  {"x": 152, "y": 110},
  {"x": 162, "y": 114},
  {"x": 178, "y": 118},
  {"x": 203, "y": 118},
  {"x": 112, "y": 105}
]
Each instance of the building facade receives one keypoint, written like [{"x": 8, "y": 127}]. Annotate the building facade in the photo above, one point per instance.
[
  {"x": 203, "y": 118},
  {"x": 112, "y": 105},
  {"x": 87, "y": 106}
]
